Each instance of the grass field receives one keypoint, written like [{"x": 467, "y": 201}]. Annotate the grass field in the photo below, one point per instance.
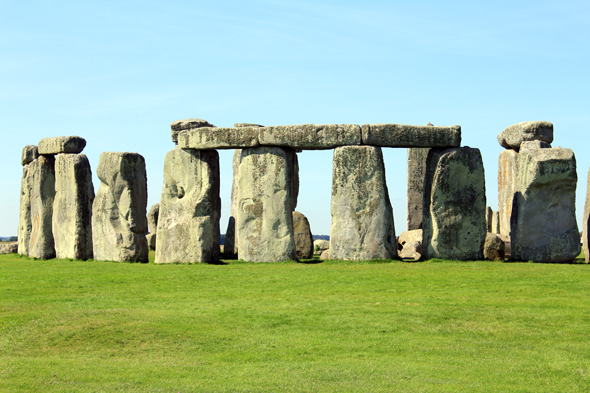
[{"x": 71, "y": 326}]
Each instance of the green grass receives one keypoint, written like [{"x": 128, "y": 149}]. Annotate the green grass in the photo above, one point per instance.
[{"x": 71, "y": 326}]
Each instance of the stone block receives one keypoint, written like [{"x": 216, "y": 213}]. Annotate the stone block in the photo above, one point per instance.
[
  {"x": 311, "y": 136},
  {"x": 507, "y": 175},
  {"x": 302, "y": 236},
  {"x": 230, "y": 248},
  {"x": 416, "y": 171},
  {"x": 25, "y": 223},
  {"x": 401, "y": 135},
  {"x": 489, "y": 215},
  {"x": 62, "y": 144},
  {"x": 495, "y": 222},
  {"x": 208, "y": 138},
  {"x": 494, "y": 249},
  {"x": 41, "y": 243},
  {"x": 152, "y": 217},
  {"x": 513, "y": 136},
  {"x": 186, "y": 124},
  {"x": 30, "y": 153}
]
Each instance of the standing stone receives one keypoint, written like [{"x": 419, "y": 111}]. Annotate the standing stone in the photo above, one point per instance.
[
  {"x": 585, "y": 222},
  {"x": 494, "y": 248},
  {"x": 454, "y": 205},
  {"x": 25, "y": 224},
  {"x": 303, "y": 236},
  {"x": 416, "y": 171},
  {"x": 264, "y": 223},
  {"x": 495, "y": 222},
  {"x": 230, "y": 245},
  {"x": 489, "y": 215},
  {"x": 190, "y": 207},
  {"x": 507, "y": 175},
  {"x": 152, "y": 218},
  {"x": 72, "y": 208},
  {"x": 119, "y": 222},
  {"x": 41, "y": 243},
  {"x": 362, "y": 218},
  {"x": 543, "y": 222}
]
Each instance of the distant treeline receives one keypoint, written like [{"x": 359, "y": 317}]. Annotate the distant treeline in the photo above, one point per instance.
[{"x": 9, "y": 239}]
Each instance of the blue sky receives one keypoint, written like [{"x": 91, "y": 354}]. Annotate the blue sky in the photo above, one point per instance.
[{"x": 118, "y": 73}]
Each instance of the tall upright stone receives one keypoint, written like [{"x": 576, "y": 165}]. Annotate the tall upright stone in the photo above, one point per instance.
[
  {"x": 266, "y": 200},
  {"x": 495, "y": 222},
  {"x": 190, "y": 208},
  {"x": 543, "y": 225},
  {"x": 119, "y": 222},
  {"x": 489, "y": 218},
  {"x": 302, "y": 235},
  {"x": 153, "y": 215},
  {"x": 230, "y": 246},
  {"x": 454, "y": 205},
  {"x": 416, "y": 171},
  {"x": 507, "y": 175},
  {"x": 25, "y": 224},
  {"x": 72, "y": 207},
  {"x": 362, "y": 218},
  {"x": 41, "y": 243}
]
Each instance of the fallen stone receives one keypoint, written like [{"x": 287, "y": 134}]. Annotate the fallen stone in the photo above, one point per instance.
[
  {"x": 41, "y": 243},
  {"x": 264, "y": 222},
  {"x": 362, "y": 218},
  {"x": 507, "y": 174},
  {"x": 416, "y": 171},
  {"x": 190, "y": 208},
  {"x": 513, "y": 136},
  {"x": 493, "y": 248},
  {"x": 412, "y": 251},
  {"x": 30, "y": 153},
  {"x": 543, "y": 225},
  {"x": 302, "y": 236},
  {"x": 230, "y": 248},
  {"x": 186, "y": 124},
  {"x": 401, "y": 135},
  {"x": 325, "y": 255},
  {"x": 62, "y": 144},
  {"x": 119, "y": 222},
  {"x": 409, "y": 237},
  {"x": 454, "y": 205},
  {"x": 10, "y": 248},
  {"x": 25, "y": 224},
  {"x": 208, "y": 138},
  {"x": 152, "y": 217},
  {"x": 311, "y": 136},
  {"x": 72, "y": 207}
]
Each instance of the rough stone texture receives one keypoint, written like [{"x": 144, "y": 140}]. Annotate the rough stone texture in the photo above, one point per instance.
[
  {"x": 62, "y": 144},
  {"x": 247, "y": 125},
  {"x": 415, "y": 194},
  {"x": 513, "y": 136},
  {"x": 412, "y": 251},
  {"x": 543, "y": 225},
  {"x": 534, "y": 145},
  {"x": 302, "y": 236},
  {"x": 41, "y": 241},
  {"x": 401, "y": 135},
  {"x": 10, "y": 248},
  {"x": 506, "y": 240},
  {"x": 409, "y": 237},
  {"x": 25, "y": 224},
  {"x": 585, "y": 222},
  {"x": 506, "y": 180},
  {"x": 151, "y": 240},
  {"x": 454, "y": 205},
  {"x": 489, "y": 215},
  {"x": 325, "y": 255},
  {"x": 362, "y": 217},
  {"x": 495, "y": 222},
  {"x": 493, "y": 248},
  {"x": 311, "y": 136},
  {"x": 152, "y": 217},
  {"x": 207, "y": 138},
  {"x": 72, "y": 207},
  {"x": 230, "y": 248},
  {"x": 119, "y": 222},
  {"x": 30, "y": 153},
  {"x": 264, "y": 222},
  {"x": 186, "y": 124},
  {"x": 321, "y": 244},
  {"x": 190, "y": 208}
]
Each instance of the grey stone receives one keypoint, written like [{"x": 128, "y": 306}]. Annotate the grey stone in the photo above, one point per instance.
[
  {"x": 207, "y": 138},
  {"x": 454, "y": 205},
  {"x": 416, "y": 171},
  {"x": 151, "y": 240},
  {"x": 495, "y": 222},
  {"x": 264, "y": 222},
  {"x": 543, "y": 225},
  {"x": 152, "y": 217},
  {"x": 489, "y": 215},
  {"x": 493, "y": 248},
  {"x": 401, "y": 135},
  {"x": 513, "y": 136},
  {"x": 10, "y": 248},
  {"x": 362, "y": 218},
  {"x": 230, "y": 248},
  {"x": 409, "y": 237},
  {"x": 119, "y": 222},
  {"x": 507, "y": 174},
  {"x": 321, "y": 244},
  {"x": 72, "y": 207},
  {"x": 412, "y": 250},
  {"x": 237, "y": 125},
  {"x": 528, "y": 145},
  {"x": 302, "y": 236},
  {"x": 41, "y": 243},
  {"x": 325, "y": 255},
  {"x": 311, "y": 136},
  {"x": 62, "y": 144},
  {"x": 25, "y": 224},
  {"x": 186, "y": 124},
  {"x": 30, "y": 153}
]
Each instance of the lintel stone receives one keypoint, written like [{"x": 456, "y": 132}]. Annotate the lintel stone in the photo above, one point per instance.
[
  {"x": 402, "y": 135},
  {"x": 209, "y": 138},
  {"x": 311, "y": 136},
  {"x": 62, "y": 144}
]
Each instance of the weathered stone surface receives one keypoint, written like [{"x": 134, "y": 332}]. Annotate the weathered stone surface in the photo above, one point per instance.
[
  {"x": 302, "y": 236},
  {"x": 30, "y": 153},
  {"x": 247, "y": 125},
  {"x": 207, "y": 138},
  {"x": 190, "y": 208},
  {"x": 25, "y": 224},
  {"x": 506, "y": 182},
  {"x": 62, "y": 144},
  {"x": 9, "y": 248},
  {"x": 412, "y": 250},
  {"x": 493, "y": 248},
  {"x": 495, "y": 222},
  {"x": 151, "y": 240},
  {"x": 454, "y": 205},
  {"x": 416, "y": 171},
  {"x": 506, "y": 240},
  {"x": 489, "y": 215},
  {"x": 41, "y": 241},
  {"x": 152, "y": 217},
  {"x": 401, "y": 135},
  {"x": 513, "y": 136},
  {"x": 362, "y": 217},
  {"x": 534, "y": 145},
  {"x": 264, "y": 222},
  {"x": 186, "y": 124},
  {"x": 311, "y": 136},
  {"x": 585, "y": 222},
  {"x": 409, "y": 237},
  {"x": 230, "y": 248},
  {"x": 325, "y": 255},
  {"x": 72, "y": 207},
  {"x": 321, "y": 244},
  {"x": 543, "y": 225},
  {"x": 119, "y": 222}
]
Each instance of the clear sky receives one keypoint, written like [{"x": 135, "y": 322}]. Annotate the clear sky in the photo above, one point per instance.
[{"x": 119, "y": 72}]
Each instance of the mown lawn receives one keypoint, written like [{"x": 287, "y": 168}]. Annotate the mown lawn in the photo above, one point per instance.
[{"x": 71, "y": 326}]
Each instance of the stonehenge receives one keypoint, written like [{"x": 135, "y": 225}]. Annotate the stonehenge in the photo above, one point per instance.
[
  {"x": 302, "y": 236},
  {"x": 152, "y": 218}
]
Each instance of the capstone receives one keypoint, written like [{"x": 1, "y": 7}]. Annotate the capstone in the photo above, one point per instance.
[
  {"x": 311, "y": 136},
  {"x": 30, "y": 153},
  {"x": 186, "y": 124},
  {"x": 513, "y": 136},
  {"x": 62, "y": 144},
  {"x": 402, "y": 135}
]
